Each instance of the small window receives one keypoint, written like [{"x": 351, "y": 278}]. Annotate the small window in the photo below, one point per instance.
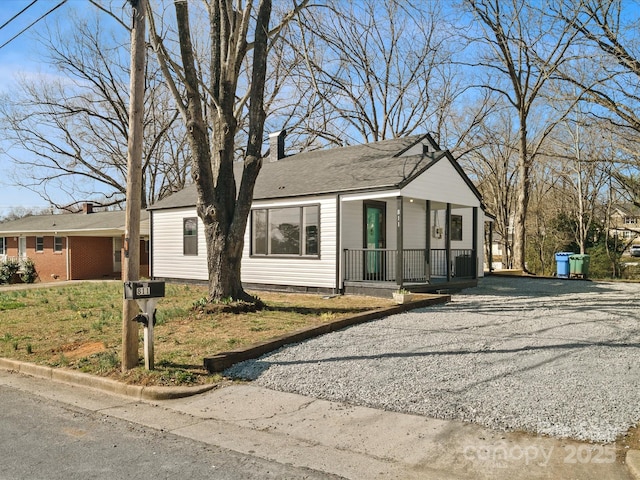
[
  {"x": 456, "y": 227},
  {"x": 190, "y": 232},
  {"x": 3, "y": 248},
  {"x": 259, "y": 236},
  {"x": 57, "y": 244},
  {"x": 39, "y": 244},
  {"x": 286, "y": 231}
]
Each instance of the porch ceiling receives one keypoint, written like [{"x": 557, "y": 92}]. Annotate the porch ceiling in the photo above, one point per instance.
[{"x": 435, "y": 205}]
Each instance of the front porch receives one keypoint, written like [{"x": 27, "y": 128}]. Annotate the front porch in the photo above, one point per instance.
[
  {"x": 382, "y": 271},
  {"x": 402, "y": 242}
]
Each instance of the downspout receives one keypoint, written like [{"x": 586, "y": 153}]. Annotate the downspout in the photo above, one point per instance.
[{"x": 68, "y": 262}]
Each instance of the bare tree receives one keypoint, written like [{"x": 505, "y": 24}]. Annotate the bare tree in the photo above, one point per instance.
[
  {"x": 608, "y": 75},
  {"x": 525, "y": 48},
  {"x": 491, "y": 161},
  {"x": 580, "y": 165},
  {"x": 546, "y": 212},
  {"x": 70, "y": 131},
  {"x": 211, "y": 100},
  {"x": 20, "y": 212},
  {"x": 372, "y": 70}
]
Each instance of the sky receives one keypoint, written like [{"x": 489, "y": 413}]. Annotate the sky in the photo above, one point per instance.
[{"x": 20, "y": 56}]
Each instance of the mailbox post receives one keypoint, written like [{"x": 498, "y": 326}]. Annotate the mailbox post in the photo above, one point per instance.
[{"x": 146, "y": 295}]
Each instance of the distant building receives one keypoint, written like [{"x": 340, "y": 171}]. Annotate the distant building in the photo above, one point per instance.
[
  {"x": 625, "y": 221},
  {"x": 73, "y": 246}
]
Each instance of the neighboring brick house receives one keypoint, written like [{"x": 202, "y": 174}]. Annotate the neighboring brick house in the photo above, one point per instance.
[{"x": 73, "y": 246}]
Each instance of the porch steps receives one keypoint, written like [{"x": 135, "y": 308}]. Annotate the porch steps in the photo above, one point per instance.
[{"x": 385, "y": 289}]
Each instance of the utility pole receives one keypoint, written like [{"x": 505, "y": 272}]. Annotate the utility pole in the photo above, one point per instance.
[{"x": 131, "y": 264}]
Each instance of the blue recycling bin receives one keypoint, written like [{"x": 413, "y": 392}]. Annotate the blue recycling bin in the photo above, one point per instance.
[{"x": 562, "y": 264}]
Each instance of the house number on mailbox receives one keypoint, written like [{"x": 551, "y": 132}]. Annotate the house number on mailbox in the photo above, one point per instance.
[{"x": 143, "y": 291}]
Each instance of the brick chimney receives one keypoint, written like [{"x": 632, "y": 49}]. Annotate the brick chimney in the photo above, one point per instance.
[
  {"x": 276, "y": 145},
  {"x": 87, "y": 207}
]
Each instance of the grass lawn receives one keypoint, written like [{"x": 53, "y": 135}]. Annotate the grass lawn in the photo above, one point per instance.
[{"x": 79, "y": 326}]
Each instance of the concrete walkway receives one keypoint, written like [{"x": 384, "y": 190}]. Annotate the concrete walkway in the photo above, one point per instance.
[{"x": 352, "y": 442}]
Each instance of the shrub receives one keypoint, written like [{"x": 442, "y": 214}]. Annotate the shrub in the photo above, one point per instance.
[
  {"x": 8, "y": 269},
  {"x": 28, "y": 272}
]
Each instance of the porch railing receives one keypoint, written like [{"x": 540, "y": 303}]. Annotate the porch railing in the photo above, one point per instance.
[{"x": 379, "y": 264}]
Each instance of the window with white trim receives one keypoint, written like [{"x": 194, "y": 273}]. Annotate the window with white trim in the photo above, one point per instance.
[
  {"x": 287, "y": 231},
  {"x": 57, "y": 244},
  {"x": 190, "y": 236}
]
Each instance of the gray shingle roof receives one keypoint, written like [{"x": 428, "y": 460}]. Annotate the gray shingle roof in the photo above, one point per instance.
[
  {"x": 362, "y": 167},
  {"x": 628, "y": 209},
  {"x": 70, "y": 223}
]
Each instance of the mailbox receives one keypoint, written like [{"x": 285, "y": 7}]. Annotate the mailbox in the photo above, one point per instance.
[
  {"x": 146, "y": 295},
  {"x": 142, "y": 290}
]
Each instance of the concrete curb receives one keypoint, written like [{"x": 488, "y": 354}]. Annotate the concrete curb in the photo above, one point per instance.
[
  {"x": 100, "y": 383},
  {"x": 224, "y": 360}
]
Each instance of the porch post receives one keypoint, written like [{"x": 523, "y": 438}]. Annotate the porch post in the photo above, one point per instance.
[
  {"x": 427, "y": 243},
  {"x": 475, "y": 241},
  {"x": 341, "y": 257},
  {"x": 447, "y": 239},
  {"x": 399, "y": 244}
]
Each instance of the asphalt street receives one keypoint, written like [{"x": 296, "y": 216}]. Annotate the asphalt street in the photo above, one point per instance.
[{"x": 44, "y": 439}]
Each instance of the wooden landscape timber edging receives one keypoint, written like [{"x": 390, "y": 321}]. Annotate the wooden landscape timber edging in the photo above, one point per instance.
[{"x": 224, "y": 360}]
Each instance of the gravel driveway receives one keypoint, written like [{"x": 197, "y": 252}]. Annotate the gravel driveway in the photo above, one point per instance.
[{"x": 555, "y": 357}]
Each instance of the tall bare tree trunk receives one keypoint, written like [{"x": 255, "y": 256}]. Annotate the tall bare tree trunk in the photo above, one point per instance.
[
  {"x": 523, "y": 189},
  {"x": 525, "y": 52},
  {"x": 223, "y": 206}
]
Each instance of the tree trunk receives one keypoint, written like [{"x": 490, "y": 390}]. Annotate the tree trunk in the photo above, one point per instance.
[
  {"x": 222, "y": 206},
  {"x": 224, "y": 259},
  {"x": 523, "y": 188}
]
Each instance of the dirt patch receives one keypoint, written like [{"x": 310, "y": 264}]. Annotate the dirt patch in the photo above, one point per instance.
[
  {"x": 67, "y": 326},
  {"x": 73, "y": 351},
  {"x": 631, "y": 440}
]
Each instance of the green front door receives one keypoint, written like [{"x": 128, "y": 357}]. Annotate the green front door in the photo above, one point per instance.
[{"x": 374, "y": 236}]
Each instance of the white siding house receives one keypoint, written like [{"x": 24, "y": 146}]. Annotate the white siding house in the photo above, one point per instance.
[
  {"x": 369, "y": 218},
  {"x": 169, "y": 259}
]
